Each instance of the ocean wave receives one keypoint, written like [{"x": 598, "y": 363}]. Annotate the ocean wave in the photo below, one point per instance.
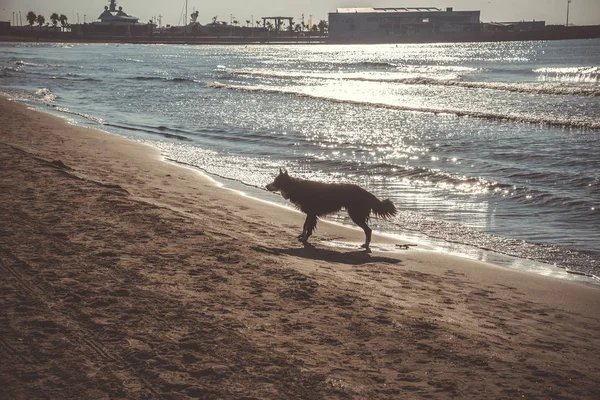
[
  {"x": 373, "y": 64},
  {"x": 75, "y": 78},
  {"x": 163, "y": 79},
  {"x": 589, "y": 74},
  {"x": 508, "y": 87},
  {"x": 548, "y": 89},
  {"x": 31, "y": 64},
  {"x": 474, "y": 185},
  {"x": 65, "y": 110},
  {"x": 161, "y": 130},
  {"x": 135, "y": 60},
  {"x": 62, "y": 45},
  {"x": 543, "y": 120},
  {"x": 45, "y": 95}
]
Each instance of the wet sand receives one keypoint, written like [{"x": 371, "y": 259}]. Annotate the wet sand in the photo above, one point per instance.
[{"x": 122, "y": 276}]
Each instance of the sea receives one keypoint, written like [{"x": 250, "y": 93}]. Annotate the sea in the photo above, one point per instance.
[{"x": 489, "y": 150}]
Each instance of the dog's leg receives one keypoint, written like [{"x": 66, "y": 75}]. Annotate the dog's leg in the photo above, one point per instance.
[
  {"x": 367, "y": 235},
  {"x": 309, "y": 226},
  {"x": 361, "y": 220},
  {"x": 300, "y": 237}
]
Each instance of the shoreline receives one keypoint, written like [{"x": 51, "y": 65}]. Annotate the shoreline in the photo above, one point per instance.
[
  {"x": 126, "y": 276},
  {"x": 425, "y": 241},
  {"x": 550, "y": 32}
]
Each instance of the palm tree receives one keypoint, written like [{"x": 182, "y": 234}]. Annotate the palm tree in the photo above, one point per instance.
[
  {"x": 247, "y": 23},
  {"x": 31, "y": 18},
  {"x": 63, "y": 21},
  {"x": 40, "y": 20},
  {"x": 54, "y": 18}
]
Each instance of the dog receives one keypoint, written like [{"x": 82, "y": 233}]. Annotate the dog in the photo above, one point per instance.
[{"x": 317, "y": 199}]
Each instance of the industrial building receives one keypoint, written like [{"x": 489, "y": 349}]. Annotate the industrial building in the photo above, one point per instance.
[{"x": 381, "y": 23}]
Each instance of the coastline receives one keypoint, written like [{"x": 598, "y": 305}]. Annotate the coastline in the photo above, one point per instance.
[
  {"x": 550, "y": 32},
  {"x": 128, "y": 276}
]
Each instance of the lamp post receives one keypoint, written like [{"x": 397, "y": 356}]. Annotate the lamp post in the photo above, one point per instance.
[
  {"x": 568, "y": 4},
  {"x": 84, "y": 15}
]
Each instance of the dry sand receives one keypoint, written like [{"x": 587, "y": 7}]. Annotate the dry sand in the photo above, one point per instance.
[{"x": 122, "y": 276}]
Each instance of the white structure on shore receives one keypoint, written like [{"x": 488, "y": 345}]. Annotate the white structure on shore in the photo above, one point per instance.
[
  {"x": 376, "y": 23},
  {"x": 112, "y": 16}
]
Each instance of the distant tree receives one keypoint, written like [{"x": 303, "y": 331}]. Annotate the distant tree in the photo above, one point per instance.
[
  {"x": 31, "y": 18},
  {"x": 258, "y": 23},
  {"x": 40, "y": 20},
  {"x": 63, "y": 21},
  {"x": 54, "y": 18},
  {"x": 247, "y": 23},
  {"x": 214, "y": 19},
  {"x": 323, "y": 26}
]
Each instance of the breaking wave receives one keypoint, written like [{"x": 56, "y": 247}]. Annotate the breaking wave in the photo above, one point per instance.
[
  {"x": 572, "y": 74},
  {"x": 135, "y": 60},
  {"x": 45, "y": 95},
  {"x": 65, "y": 110},
  {"x": 31, "y": 64},
  {"x": 543, "y": 120},
  {"x": 549, "y": 89},
  {"x": 163, "y": 79}
]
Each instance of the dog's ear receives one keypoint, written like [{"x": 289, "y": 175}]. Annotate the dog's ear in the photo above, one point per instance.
[
  {"x": 286, "y": 173},
  {"x": 280, "y": 171}
]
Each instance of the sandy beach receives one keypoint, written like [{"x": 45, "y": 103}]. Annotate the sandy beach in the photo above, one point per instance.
[{"x": 123, "y": 276}]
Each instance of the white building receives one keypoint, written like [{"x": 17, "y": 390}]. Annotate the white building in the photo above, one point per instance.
[{"x": 381, "y": 23}]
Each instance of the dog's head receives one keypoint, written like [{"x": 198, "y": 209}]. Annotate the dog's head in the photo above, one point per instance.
[{"x": 282, "y": 183}]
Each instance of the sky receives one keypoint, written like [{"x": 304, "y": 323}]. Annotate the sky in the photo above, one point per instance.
[{"x": 582, "y": 12}]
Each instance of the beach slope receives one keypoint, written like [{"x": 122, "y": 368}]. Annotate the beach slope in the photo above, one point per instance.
[{"x": 123, "y": 276}]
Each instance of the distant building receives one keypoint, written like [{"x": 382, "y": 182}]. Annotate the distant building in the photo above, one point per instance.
[
  {"x": 378, "y": 23},
  {"x": 4, "y": 27},
  {"x": 520, "y": 26}
]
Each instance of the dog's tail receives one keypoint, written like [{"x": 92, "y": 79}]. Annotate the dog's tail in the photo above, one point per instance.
[{"x": 384, "y": 209}]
